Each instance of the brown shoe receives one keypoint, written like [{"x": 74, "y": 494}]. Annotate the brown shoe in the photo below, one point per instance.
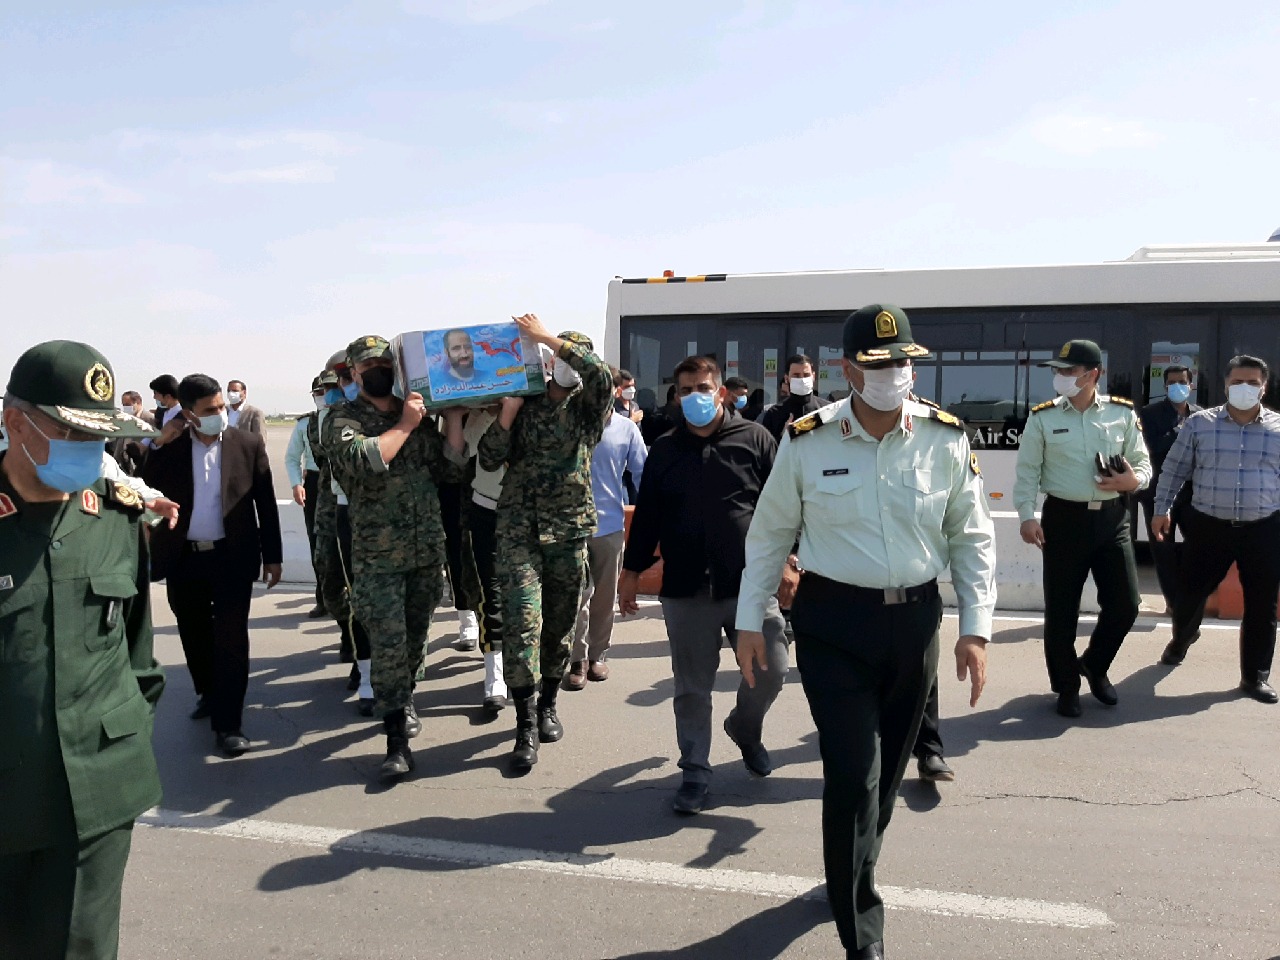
[
  {"x": 599, "y": 670},
  {"x": 576, "y": 678}
]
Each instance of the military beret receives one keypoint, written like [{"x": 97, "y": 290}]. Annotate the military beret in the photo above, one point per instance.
[{"x": 74, "y": 384}]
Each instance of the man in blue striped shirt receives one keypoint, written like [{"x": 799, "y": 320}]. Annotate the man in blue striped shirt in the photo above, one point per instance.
[{"x": 1231, "y": 454}]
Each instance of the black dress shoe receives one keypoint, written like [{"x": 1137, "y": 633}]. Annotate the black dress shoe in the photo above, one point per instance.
[
  {"x": 754, "y": 756},
  {"x": 1260, "y": 690},
  {"x": 933, "y": 768},
  {"x": 872, "y": 951},
  {"x": 353, "y": 679},
  {"x": 1099, "y": 685},
  {"x": 316, "y": 612},
  {"x": 1069, "y": 704},
  {"x": 1176, "y": 650},
  {"x": 494, "y": 705},
  {"x": 365, "y": 706},
  {"x": 691, "y": 798},
  {"x": 201, "y": 711},
  {"x": 232, "y": 743}
]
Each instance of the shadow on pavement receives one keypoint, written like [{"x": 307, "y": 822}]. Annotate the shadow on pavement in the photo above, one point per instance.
[{"x": 765, "y": 935}]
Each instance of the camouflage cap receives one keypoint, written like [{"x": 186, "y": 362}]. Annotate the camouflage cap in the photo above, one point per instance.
[
  {"x": 74, "y": 384},
  {"x": 573, "y": 336},
  {"x": 880, "y": 333},
  {"x": 315, "y": 384},
  {"x": 367, "y": 348},
  {"x": 326, "y": 380}
]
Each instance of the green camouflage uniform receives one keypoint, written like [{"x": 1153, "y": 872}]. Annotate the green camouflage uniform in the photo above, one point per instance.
[
  {"x": 397, "y": 538},
  {"x": 545, "y": 517}
]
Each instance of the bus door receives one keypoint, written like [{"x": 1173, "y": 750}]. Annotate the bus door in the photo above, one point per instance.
[{"x": 1184, "y": 340}]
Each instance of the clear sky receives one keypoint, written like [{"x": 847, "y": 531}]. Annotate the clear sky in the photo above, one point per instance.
[{"x": 240, "y": 188}]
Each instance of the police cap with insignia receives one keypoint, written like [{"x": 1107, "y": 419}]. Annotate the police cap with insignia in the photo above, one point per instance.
[
  {"x": 74, "y": 384},
  {"x": 880, "y": 333},
  {"x": 367, "y": 348},
  {"x": 1076, "y": 353}
]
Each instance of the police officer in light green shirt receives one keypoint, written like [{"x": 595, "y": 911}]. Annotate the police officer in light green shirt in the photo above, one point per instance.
[
  {"x": 1085, "y": 523},
  {"x": 883, "y": 493}
]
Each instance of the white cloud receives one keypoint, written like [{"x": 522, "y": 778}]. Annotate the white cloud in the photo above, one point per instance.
[
  {"x": 290, "y": 173},
  {"x": 46, "y": 181},
  {"x": 1088, "y": 135},
  {"x": 471, "y": 11}
]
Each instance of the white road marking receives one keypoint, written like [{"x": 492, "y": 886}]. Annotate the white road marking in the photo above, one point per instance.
[{"x": 604, "y": 867}]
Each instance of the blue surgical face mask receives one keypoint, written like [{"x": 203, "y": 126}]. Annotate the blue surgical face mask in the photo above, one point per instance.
[
  {"x": 1179, "y": 392},
  {"x": 699, "y": 408},
  {"x": 351, "y": 390},
  {"x": 740, "y": 402},
  {"x": 72, "y": 465},
  {"x": 333, "y": 396}
]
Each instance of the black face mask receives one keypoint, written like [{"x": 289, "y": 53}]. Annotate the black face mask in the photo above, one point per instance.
[{"x": 378, "y": 381}]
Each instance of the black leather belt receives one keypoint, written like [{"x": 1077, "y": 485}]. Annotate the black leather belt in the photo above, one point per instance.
[
  {"x": 1087, "y": 504},
  {"x": 818, "y": 586},
  {"x": 202, "y": 546}
]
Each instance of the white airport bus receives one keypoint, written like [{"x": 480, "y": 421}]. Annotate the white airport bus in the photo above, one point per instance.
[{"x": 988, "y": 327}]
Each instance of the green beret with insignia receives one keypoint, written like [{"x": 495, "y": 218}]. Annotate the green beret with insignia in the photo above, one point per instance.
[
  {"x": 74, "y": 384},
  {"x": 367, "y": 348},
  {"x": 880, "y": 333}
]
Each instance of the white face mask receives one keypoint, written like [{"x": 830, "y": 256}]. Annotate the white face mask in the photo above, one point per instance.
[
  {"x": 885, "y": 388},
  {"x": 1065, "y": 386},
  {"x": 234, "y": 397},
  {"x": 319, "y": 402},
  {"x": 565, "y": 375},
  {"x": 629, "y": 393},
  {"x": 1243, "y": 396},
  {"x": 213, "y": 424},
  {"x": 801, "y": 386}
]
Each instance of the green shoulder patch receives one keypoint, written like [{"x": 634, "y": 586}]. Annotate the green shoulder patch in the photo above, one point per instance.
[
  {"x": 1122, "y": 401},
  {"x": 810, "y": 421},
  {"x": 1043, "y": 406}
]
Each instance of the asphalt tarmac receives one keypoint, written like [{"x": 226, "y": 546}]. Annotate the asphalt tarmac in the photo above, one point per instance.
[{"x": 1147, "y": 830}]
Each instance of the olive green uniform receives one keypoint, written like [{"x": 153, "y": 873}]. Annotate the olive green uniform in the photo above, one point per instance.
[{"x": 78, "y": 688}]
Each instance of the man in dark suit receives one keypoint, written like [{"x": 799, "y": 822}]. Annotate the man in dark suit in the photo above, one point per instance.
[
  {"x": 1161, "y": 422},
  {"x": 227, "y": 533}
]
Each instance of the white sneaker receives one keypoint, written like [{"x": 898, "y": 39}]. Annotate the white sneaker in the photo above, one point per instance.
[
  {"x": 495, "y": 687},
  {"x": 468, "y": 630}
]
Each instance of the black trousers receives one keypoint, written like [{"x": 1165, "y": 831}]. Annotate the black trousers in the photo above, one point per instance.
[
  {"x": 212, "y": 610},
  {"x": 1167, "y": 554},
  {"x": 1079, "y": 541},
  {"x": 929, "y": 737},
  {"x": 451, "y": 513},
  {"x": 866, "y": 669},
  {"x": 354, "y": 633},
  {"x": 1255, "y": 549},
  {"x": 310, "y": 486},
  {"x": 482, "y": 535}
]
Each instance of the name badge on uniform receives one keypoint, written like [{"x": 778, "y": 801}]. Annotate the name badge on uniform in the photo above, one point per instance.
[
  {"x": 1063, "y": 430},
  {"x": 840, "y": 472}
]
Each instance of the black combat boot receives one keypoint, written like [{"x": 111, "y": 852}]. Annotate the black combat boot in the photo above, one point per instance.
[
  {"x": 525, "y": 755},
  {"x": 412, "y": 725},
  {"x": 399, "y": 757},
  {"x": 549, "y": 728}
]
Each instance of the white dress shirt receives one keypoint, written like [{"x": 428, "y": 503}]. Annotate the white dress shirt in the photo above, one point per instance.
[
  {"x": 233, "y": 416},
  {"x": 206, "y": 477}
]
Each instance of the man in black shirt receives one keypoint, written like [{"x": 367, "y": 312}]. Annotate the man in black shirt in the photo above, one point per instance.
[
  {"x": 1161, "y": 422},
  {"x": 697, "y": 497},
  {"x": 801, "y": 400}
]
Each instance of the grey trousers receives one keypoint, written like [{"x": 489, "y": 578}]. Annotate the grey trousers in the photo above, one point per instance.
[
  {"x": 694, "y": 628},
  {"x": 594, "y": 629}
]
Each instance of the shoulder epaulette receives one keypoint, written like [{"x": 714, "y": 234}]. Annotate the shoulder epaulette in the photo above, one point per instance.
[
  {"x": 810, "y": 421},
  {"x": 125, "y": 497},
  {"x": 934, "y": 412},
  {"x": 1123, "y": 401},
  {"x": 927, "y": 403},
  {"x": 1043, "y": 406}
]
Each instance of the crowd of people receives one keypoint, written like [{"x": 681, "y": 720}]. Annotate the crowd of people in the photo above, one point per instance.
[{"x": 825, "y": 526}]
